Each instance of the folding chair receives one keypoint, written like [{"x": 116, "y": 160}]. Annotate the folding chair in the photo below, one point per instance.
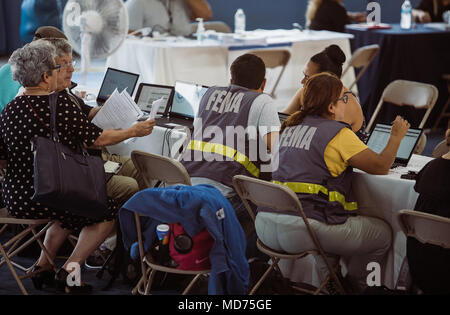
[
  {"x": 425, "y": 227},
  {"x": 218, "y": 26},
  {"x": 13, "y": 246},
  {"x": 407, "y": 93},
  {"x": 160, "y": 169},
  {"x": 280, "y": 198},
  {"x": 362, "y": 58},
  {"x": 441, "y": 149},
  {"x": 272, "y": 59},
  {"x": 444, "y": 113}
]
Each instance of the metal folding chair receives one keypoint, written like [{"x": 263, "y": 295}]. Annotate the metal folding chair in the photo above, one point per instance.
[
  {"x": 362, "y": 58},
  {"x": 10, "y": 248},
  {"x": 158, "y": 169},
  {"x": 280, "y": 198},
  {"x": 272, "y": 59}
]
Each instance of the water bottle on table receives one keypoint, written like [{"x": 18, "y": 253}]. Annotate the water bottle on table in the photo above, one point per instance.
[
  {"x": 239, "y": 21},
  {"x": 406, "y": 16}
]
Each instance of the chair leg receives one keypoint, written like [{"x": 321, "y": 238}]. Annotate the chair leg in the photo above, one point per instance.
[
  {"x": 191, "y": 284},
  {"x": 274, "y": 265},
  {"x": 149, "y": 282},
  {"x": 13, "y": 271}
]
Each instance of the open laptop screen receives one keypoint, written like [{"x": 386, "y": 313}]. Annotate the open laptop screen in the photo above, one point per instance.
[
  {"x": 148, "y": 93},
  {"x": 117, "y": 79},
  {"x": 186, "y": 99},
  {"x": 380, "y": 136}
]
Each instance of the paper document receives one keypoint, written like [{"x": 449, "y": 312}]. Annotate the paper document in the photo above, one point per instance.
[
  {"x": 155, "y": 107},
  {"x": 118, "y": 112}
]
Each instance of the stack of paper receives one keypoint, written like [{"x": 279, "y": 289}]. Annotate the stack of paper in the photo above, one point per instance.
[{"x": 118, "y": 112}]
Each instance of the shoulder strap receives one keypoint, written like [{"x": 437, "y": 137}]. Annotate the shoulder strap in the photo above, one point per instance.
[{"x": 52, "y": 100}]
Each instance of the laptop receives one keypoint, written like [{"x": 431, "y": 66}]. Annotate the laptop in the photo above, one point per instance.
[
  {"x": 184, "y": 106},
  {"x": 116, "y": 79},
  {"x": 148, "y": 93},
  {"x": 379, "y": 138}
]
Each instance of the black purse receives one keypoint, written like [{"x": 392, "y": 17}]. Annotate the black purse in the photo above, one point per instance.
[{"x": 65, "y": 179}]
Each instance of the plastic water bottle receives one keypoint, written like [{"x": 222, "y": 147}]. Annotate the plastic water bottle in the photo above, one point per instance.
[
  {"x": 406, "y": 17},
  {"x": 200, "y": 30},
  {"x": 239, "y": 21}
]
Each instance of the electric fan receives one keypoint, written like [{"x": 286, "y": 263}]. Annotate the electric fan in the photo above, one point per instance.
[{"x": 95, "y": 28}]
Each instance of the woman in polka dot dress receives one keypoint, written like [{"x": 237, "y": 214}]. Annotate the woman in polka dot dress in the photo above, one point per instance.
[{"x": 27, "y": 117}]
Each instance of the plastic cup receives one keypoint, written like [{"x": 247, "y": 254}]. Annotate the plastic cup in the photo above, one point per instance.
[{"x": 163, "y": 233}]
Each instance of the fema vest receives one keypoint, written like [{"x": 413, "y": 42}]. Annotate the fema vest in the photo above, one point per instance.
[
  {"x": 220, "y": 148},
  {"x": 302, "y": 168}
]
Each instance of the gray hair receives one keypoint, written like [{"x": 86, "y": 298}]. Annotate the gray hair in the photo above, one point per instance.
[
  {"x": 30, "y": 62},
  {"x": 62, "y": 46}
]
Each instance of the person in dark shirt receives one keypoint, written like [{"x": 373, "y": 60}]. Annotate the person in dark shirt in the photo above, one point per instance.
[
  {"x": 330, "y": 15},
  {"x": 429, "y": 264},
  {"x": 431, "y": 10}
]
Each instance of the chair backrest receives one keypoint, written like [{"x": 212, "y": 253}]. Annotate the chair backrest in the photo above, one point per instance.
[
  {"x": 441, "y": 149},
  {"x": 155, "y": 167},
  {"x": 362, "y": 58},
  {"x": 218, "y": 26},
  {"x": 408, "y": 93},
  {"x": 272, "y": 59},
  {"x": 425, "y": 227},
  {"x": 266, "y": 194}
]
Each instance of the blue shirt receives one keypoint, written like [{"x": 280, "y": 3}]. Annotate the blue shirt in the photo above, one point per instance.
[{"x": 8, "y": 87}]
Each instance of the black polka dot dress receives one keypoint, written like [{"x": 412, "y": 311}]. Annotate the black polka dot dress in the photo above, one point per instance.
[{"x": 19, "y": 124}]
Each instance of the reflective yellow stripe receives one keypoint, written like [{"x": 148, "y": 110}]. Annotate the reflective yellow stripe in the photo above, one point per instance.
[
  {"x": 227, "y": 152},
  {"x": 307, "y": 188}
]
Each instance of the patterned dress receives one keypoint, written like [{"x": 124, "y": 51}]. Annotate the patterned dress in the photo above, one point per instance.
[{"x": 19, "y": 124}]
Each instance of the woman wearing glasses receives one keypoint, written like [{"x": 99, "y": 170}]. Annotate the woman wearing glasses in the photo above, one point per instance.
[
  {"x": 28, "y": 116},
  {"x": 331, "y": 60},
  {"x": 316, "y": 155}
]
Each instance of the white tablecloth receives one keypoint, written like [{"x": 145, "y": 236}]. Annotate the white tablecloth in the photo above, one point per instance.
[
  {"x": 208, "y": 63},
  {"x": 381, "y": 196}
]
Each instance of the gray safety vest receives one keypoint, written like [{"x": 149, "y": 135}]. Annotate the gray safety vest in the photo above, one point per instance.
[
  {"x": 302, "y": 168},
  {"x": 221, "y": 148}
]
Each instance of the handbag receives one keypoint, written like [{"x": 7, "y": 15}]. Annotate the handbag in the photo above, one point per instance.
[{"x": 65, "y": 179}]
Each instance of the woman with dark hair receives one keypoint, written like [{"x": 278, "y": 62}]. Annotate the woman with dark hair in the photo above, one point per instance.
[
  {"x": 330, "y": 15},
  {"x": 431, "y": 10},
  {"x": 331, "y": 60},
  {"x": 316, "y": 156}
]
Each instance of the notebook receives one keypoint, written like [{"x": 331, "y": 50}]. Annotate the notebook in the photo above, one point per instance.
[
  {"x": 379, "y": 138},
  {"x": 184, "y": 106},
  {"x": 116, "y": 79},
  {"x": 148, "y": 93}
]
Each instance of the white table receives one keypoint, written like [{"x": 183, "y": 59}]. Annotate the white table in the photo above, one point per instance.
[
  {"x": 165, "y": 61},
  {"x": 381, "y": 196}
]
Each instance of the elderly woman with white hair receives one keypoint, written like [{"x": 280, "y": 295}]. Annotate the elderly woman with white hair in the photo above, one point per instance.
[{"x": 28, "y": 116}]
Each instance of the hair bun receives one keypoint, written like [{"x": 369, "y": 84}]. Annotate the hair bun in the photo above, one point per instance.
[{"x": 335, "y": 53}]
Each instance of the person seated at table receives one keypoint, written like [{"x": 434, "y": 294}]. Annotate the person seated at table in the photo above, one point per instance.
[
  {"x": 330, "y": 15},
  {"x": 431, "y": 10},
  {"x": 331, "y": 60},
  {"x": 28, "y": 116},
  {"x": 171, "y": 16},
  {"x": 429, "y": 264},
  {"x": 316, "y": 154},
  {"x": 244, "y": 122}
]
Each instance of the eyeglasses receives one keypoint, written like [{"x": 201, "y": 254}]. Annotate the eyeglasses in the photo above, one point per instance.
[
  {"x": 57, "y": 67},
  {"x": 306, "y": 76},
  {"x": 67, "y": 65},
  {"x": 345, "y": 97}
]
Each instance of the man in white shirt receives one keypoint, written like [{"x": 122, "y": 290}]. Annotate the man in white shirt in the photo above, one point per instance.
[{"x": 171, "y": 16}]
